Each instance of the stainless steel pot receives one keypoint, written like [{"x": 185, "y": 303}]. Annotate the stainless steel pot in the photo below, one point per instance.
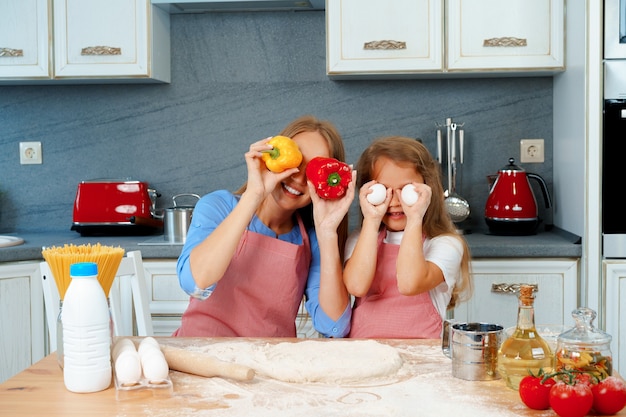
[{"x": 176, "y": 220}]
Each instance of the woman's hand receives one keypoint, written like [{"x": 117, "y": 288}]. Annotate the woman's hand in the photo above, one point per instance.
[
  {"x": 262, "y": 181},
  {"x": 328, "y": 214}
]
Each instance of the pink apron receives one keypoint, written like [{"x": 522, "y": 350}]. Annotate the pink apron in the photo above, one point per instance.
[
  {"x": 259, "y": 294},
  {"x": 385, "y": 313}
]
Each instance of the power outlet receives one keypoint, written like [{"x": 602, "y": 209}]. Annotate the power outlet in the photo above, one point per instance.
[
  {"x": 30, "y": 153},
  {"x": 531, "y": 151}
]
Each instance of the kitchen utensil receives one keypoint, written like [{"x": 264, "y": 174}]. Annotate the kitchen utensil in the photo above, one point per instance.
[
  {"x": 511, "y": 207},
  {"x": 473, "y": 348},
  {"x": 457, "y": 206},
  {"x": 147, "y": 221},
  {"x": 106, "y": 206},
  {"x": 176, "y": 220},
  {"x": 6, "y": 241},
  {"x": 199, "y": 363}
]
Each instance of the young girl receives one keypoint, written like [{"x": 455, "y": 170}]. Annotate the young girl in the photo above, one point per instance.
[
  {"x": 407, "y": 264},
  {"x": 251, "y": 255}
]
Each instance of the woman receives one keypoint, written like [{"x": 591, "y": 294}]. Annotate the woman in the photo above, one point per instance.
[{"x": 251, "y": 255}]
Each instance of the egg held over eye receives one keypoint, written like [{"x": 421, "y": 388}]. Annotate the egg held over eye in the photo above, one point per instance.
[
  {"x": 377, "y": 195},
  {"x": 409, "y": 195}
]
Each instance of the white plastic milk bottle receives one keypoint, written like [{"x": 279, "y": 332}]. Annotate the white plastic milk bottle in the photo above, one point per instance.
[{"x": 86, "y": 332}]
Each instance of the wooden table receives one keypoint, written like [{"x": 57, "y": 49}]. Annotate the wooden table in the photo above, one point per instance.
[{"x": 426, "y": 389}]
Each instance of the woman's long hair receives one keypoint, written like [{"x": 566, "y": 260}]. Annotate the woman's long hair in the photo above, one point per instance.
[{"x": 308, "y": 123}]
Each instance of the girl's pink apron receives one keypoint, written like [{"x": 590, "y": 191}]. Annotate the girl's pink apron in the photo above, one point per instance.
[
  {"x": 259, "y": 294},
  {"x": 385, "y": 313}
]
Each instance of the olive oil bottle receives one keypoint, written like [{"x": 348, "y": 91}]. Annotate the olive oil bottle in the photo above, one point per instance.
[{"x": 524, "y": 350}]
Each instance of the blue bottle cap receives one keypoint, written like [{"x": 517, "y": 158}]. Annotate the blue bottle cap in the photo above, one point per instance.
[{"x": 84, "y": 269}]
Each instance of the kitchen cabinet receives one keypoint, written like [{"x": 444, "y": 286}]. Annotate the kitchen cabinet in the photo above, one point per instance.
[
  {"x": 516, "y": 35},
  {"x": 494, "y": 301},
  {"x": 413, "y": 38},
  {"x": 21, "y": 317},
  {"x": 72, "y": 41},
  {"x": 367, "y": 37},
  {"x": 615, "y": 317},
  {"x": 168, "y": 301},
  {"x": 24, "y": 33}
]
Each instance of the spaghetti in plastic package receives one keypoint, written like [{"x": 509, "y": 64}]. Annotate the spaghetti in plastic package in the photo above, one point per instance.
[{"x": 60, "y": 258}]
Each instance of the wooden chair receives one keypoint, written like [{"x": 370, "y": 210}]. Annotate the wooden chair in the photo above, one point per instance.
[{"x": 128, "y": 298}]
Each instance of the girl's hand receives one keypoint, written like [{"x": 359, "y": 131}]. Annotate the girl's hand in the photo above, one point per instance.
[
  {"x": 328, "y": 214},
  {"x": 417, "y": 210},
  {"x": 262, "y": 181},
  {"x": 373, "y": 211}
]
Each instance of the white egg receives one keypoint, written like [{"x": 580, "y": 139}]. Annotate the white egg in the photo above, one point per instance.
[
  {"x": 409, "y": 195},
  {"x": 122, "y": 345},
  {"x": 151, "y": 340},
  {"x": 377, "y": 195},
  {"x": 146, "y": 348},
  {"x": 155, "y": 367},
  {"x": 128, "y": 367}
]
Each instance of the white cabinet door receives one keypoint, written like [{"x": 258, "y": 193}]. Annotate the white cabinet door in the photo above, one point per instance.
[
  {"x": 390, "y": 37},
  {"x": 168, "y": 301},
  {"x": 505, "y": 35},
  {"x": 106, "y": 39},
  {"x": 405, "y": 38},
  {"x": 556, "y": 298},
  {"x": 24, "y": 34},
  {"x": 615, "y": 322},
  {"x": 21, "y": 317}
]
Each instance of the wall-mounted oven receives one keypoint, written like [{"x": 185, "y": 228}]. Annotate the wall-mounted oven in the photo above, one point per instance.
[{"x": 614, "y": 160}]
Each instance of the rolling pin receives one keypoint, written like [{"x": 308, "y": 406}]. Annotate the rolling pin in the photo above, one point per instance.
[{"x": 202, "y": 364}]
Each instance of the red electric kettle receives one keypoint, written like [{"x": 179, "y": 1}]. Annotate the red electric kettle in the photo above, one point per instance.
[{"x": 511, "y": 207}]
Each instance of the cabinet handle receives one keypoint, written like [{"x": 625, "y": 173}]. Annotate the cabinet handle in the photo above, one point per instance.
[
  {"x": 384, "y": 44},
  {"x": 101, "y": 50},
  {"x": 511, "y": 288},
  {"x": 10, "y": 52},
  {"x": 507, "y": 41}
]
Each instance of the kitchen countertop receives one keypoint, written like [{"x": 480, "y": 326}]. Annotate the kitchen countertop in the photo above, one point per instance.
[
  {"x": 424, "y": 385},
  {"x": 553, "y": 244}
]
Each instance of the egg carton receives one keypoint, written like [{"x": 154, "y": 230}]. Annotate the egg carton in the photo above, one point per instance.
[{"x": 143, "y": 388}]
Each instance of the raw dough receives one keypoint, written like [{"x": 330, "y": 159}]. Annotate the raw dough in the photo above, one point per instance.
[{"x": 330, "y": 361}]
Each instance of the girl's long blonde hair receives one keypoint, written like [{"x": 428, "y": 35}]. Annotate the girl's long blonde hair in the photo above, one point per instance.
[{"x": 436, "y": 221}]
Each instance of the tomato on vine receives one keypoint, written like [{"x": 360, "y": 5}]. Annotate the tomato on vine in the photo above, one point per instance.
[
  {"x": 535, "y": 391},
  {"x": 571, "y": 399},
  {"x": 609, "y": 395}
]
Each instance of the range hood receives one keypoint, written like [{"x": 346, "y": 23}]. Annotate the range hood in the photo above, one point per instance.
[{"x": 206, "y": 6}]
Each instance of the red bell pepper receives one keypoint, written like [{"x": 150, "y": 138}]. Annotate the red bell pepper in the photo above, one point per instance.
[{"x": 330, "y": 177}]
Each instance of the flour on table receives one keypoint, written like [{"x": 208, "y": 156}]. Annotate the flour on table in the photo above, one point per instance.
[{"x": 336, "y": 361}]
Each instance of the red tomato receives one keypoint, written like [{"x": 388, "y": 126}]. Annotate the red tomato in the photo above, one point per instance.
[
  {"x": 535, "y": 394},
  {"x": 571, "y": 400},
  {"x": 609, "y": 396}
]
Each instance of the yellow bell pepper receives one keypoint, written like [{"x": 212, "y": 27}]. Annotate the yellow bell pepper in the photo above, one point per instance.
[{"x": 284, "y": 155}]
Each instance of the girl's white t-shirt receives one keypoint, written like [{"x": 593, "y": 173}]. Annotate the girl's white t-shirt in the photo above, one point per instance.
[{"x": 444, "y": 251}]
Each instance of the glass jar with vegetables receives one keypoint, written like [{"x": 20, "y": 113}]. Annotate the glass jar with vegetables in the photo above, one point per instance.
[{"x": 584, "y": 348}]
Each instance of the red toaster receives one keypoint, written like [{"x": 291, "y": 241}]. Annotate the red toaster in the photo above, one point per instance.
[{"x": 114, "y": 206}]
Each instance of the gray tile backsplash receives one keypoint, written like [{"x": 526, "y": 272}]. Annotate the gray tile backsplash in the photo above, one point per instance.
[{"x": 236, "y": 78}]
